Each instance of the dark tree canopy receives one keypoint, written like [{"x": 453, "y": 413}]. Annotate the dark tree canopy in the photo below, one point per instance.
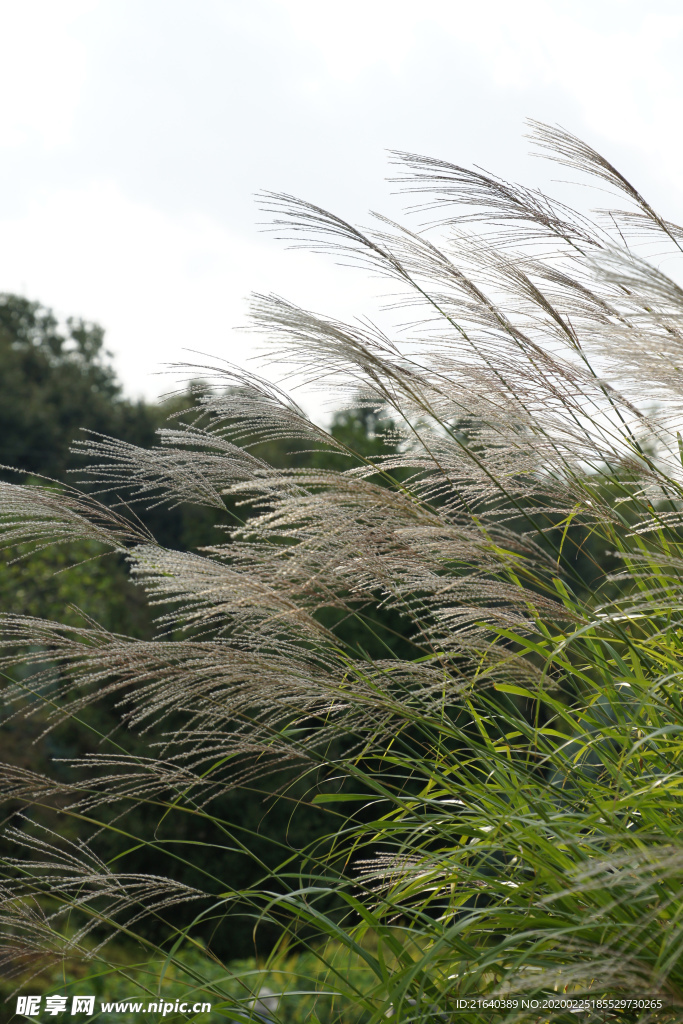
[{"x": 55, "y": 379}]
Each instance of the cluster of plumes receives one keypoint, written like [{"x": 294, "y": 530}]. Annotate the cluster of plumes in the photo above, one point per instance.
[
  {"x": 70, "y": 875},
  {"x": 238, "y": 706},
  {"x": 538, "y": 342}
]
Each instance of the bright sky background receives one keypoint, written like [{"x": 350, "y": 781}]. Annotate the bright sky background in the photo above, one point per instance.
[{"x": 133, "y": 134}]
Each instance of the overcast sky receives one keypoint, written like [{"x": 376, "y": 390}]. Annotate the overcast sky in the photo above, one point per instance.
[{"x": 134, "y": 133}]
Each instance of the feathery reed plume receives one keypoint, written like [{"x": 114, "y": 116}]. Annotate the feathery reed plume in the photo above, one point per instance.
[{"x": 519, "y": 773}]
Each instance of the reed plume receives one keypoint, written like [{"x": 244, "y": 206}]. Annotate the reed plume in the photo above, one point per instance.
[{"x": 522, "y": 832}]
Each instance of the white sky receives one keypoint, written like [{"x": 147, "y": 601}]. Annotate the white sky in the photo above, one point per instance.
[{"x": 133, "y": 134}]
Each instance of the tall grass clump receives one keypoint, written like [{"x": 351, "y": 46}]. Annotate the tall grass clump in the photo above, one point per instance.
[{"x": 464, "y": 655}]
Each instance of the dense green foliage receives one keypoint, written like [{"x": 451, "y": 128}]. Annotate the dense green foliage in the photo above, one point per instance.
[{"x": 54, "y": 381}]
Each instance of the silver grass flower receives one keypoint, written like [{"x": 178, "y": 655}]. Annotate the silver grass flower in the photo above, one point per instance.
[{"x": 535, "y": 398}]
